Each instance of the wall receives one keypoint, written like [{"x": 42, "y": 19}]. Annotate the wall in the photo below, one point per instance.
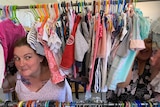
[
  {"x": 150, "y": 9},
  {"x": 16, "y": 2}
]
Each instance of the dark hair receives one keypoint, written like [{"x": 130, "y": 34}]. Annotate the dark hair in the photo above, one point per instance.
[{"x": 23, "y": 41}]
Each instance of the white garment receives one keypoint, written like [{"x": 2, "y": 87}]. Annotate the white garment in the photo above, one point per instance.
[
  {"x": 81, "y": 45},
  {"x": 49, "y": 91},
  {"x": 2, "y": 65},
  {"x": 25, "y": 17}
]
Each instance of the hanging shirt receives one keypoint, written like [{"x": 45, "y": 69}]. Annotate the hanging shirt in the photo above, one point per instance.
[
  {"x": 9, "y": 33},
  {"x": 81, "y": 45},
  {"x": 68, "y": 54}
]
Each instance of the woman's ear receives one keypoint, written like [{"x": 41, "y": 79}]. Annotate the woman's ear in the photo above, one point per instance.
[{"x": 41, "y": 59}]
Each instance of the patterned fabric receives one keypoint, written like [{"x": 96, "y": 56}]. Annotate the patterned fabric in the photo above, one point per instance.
[
  {"x": 138, "y": 89},
  {"x": 144, "y": 91},
  {"x": 55, "y": 73}
]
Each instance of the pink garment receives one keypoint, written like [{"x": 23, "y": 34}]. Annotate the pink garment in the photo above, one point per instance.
[
  {"x": 102, "y": 42},
  {"x": 56, "y": 77},
  {"x": 95, "y": 52},
  {"x": 9, "y": 33}
]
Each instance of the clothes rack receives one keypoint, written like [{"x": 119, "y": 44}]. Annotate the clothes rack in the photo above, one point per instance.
[
  {"x": 76, "y": 104},
  {"x": 63, "y": 4}
]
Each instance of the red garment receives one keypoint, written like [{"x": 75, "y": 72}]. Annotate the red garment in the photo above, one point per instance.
[{"x": 68, "y": 54}]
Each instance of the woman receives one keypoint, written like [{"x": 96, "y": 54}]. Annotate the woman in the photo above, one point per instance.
[
  {"x": 155, "y": 75},
  {"x": 32, "y": 81},
  {"x": 136, "y": 86}
]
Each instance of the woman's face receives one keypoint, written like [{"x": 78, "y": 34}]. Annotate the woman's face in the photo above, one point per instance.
[
  {"x": 146, "y": 53},
  {"x": 27, "y": 61},
  {"x": 155, "y": 60}
]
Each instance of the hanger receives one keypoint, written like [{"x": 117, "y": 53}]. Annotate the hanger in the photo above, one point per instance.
[
  {"x": 2, "y": 12},
  {"x": 107, "y": 6},
  {"x": 84, "y": 8},
  {"x": 51, "y": 11},
  {"x": 40, "y": 12},
  {"x": 135, "y": 2},
  {"x": 63, "y": 5},
  {"x": 71, "y": 5},
  {"x": 104, "y": 5},
  {"x": 59, "y": 7},
  {"x": 76, "y": 5},
  {"x": 81, "y": 6},
  {"x": 36, "y": 16},
  {"x": 118, "y": 6},
  {"x": 110, "y": 6},
  {"x": 6, "y": 11},
  {"x": 114, "y": 6},
  {"x": 99, "y": 5},
  {"x": 45, "y": 18},
  {"x": 94, "y": 7},
  {"x": 14, "y": 17},
  {"x": 46, "y": 11},
  {"x": 67, "y": 6},
  {"x": 56, "y": 10}
]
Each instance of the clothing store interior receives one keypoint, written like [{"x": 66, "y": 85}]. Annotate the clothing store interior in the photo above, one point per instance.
[{"x": 90, "y": 53}]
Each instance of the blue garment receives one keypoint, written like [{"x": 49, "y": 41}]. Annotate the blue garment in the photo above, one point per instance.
[
  {"x": 121, "y": 63},
  {"x": 144, "y": 24}
]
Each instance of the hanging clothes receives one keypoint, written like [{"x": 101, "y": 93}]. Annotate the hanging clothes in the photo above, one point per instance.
[{"x": 68, "y": 54}]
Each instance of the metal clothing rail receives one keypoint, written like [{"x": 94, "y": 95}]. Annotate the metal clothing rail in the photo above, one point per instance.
[
  {"x": 77, "y": 104},
  {"x": 79, "y": 4},
  {"x": 63, "y": 4}
]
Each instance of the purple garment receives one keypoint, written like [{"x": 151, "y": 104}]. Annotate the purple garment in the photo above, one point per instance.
[{"x": 9, "y": 33}]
